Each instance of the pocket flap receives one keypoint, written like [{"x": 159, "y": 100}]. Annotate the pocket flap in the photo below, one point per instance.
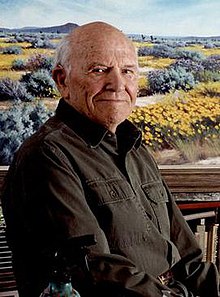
[
  {"x": 155, "y": 191},
  {"x": 111, "y": 191}
]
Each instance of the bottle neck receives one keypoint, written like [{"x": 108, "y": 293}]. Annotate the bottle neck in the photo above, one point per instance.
[{"x": 61, "y": 288}]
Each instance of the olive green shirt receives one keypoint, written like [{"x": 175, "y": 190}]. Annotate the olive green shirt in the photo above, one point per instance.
[{"x": 74, "y": 177}]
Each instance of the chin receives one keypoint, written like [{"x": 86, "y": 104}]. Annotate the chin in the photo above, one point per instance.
[{"x": 116, "y": 121}]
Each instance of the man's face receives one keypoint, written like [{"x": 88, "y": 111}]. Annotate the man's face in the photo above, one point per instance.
[{"x": 103, "y": 80}]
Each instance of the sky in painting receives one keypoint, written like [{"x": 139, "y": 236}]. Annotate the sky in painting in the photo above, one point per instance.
[{"x": 157, "y": 17}]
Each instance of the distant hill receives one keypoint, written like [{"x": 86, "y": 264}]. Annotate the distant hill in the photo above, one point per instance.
[{"x": 66, "y": 28}]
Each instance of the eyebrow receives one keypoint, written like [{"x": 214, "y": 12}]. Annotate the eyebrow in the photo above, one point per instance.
[
  {"x": 131, "y": 66},
  {"x": 107, "y": 66},
  {"x": 97, "y": 64}
]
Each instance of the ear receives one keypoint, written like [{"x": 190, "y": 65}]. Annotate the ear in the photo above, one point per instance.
[{"x": 60, "y": 78}]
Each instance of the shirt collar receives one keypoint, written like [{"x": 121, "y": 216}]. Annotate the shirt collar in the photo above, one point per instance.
[{"x": 93, "y": 133}]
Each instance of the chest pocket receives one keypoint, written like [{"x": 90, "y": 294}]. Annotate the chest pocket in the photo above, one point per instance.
[
  {"x": 158, "y": 198},
  {"x": 110, "y": 191}
]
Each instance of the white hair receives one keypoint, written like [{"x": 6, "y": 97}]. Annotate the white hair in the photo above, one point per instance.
[{"x": 63, "y": 54}]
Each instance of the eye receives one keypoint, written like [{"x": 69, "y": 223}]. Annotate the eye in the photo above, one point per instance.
[
  {"x": 129, "y": 72},
  {"x": 98, "y": 70}
]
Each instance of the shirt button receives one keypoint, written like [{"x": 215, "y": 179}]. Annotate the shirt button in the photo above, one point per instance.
[{"x": 113, "y": 194}]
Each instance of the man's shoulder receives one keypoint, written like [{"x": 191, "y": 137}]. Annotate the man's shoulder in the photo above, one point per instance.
[
  {"x": 51, "y": 131},
  {"x": 46, "y": 131}
]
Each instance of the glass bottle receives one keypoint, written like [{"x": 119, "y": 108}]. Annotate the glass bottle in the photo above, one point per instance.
[
  {"x": 60, "y": 280},
  {"x": 60, "y": 284},
  {"x": 60, "y": 289}
]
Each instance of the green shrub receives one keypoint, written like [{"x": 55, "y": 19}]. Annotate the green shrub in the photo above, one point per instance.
[
  {"x": 162, "y": 81},
  {"x": 39, "y": 61},
  {"x": 16, "y": 125},
  {"x": 39, "y": 83},
  {"x": 12, "y": 50},
  {"x": 208, "y": 76},
  {"x": 187, "y": 54},
  {"x": 18, "y": 64},
  {"x": 42, "y": 42},
  {"x": 13, "y": 91}
]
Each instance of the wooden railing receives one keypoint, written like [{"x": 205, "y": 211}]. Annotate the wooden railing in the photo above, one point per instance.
[
  {"x": 8, "y": 285},
  {"x": 191, "y": 178}
]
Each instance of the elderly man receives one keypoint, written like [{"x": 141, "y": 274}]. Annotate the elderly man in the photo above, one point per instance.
[{"x": 86, "y": 171}]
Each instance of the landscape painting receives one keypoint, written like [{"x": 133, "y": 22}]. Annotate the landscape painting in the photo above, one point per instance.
[{"x": 178, "y": 46}]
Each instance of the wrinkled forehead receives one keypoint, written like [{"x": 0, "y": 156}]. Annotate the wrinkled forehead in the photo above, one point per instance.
[
  {"x": 100, "y": 32},
  {"x": 105, "y": 44}
]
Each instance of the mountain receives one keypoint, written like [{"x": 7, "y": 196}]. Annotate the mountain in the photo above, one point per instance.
[{"x": 66, "y": 28}]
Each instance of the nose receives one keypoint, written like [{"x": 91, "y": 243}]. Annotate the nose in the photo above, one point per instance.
[{"x": 115, "y": 81}]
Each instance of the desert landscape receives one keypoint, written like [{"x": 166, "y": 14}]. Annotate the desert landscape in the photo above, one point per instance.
[{"x": 178, "y": 104}]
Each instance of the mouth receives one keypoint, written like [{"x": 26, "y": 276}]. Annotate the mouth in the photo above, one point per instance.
[{"x": 112, "y": 100}]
